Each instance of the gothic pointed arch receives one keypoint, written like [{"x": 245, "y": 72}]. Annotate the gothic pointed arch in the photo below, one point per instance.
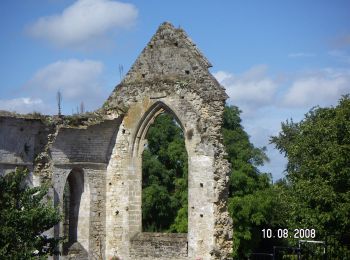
[{"x": 146, "y": 121}]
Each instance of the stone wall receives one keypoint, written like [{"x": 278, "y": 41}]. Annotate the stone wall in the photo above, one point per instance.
[
  {"x": 158, "y": 245},
  {"x": 170, "y": 75},
  {"x": 21, "y": 140},
  {"x": 92, "y": 144},
  {"x": 91, "y": 226}
]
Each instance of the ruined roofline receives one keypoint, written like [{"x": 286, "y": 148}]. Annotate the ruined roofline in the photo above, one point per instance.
[
  {"x": 166, "y": 39},
  {"x": 29, "y": 116},
  {"x": 66, "y": 121},
  {"x": 169, "y": 59},
  {"x": 167, "y": 34}
]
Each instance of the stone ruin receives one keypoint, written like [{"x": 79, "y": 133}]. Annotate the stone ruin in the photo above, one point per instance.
[{"x": 99, "y": 156}]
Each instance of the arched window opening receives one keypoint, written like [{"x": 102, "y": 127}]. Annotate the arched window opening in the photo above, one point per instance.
[
  {"x": 73, "y": 190},
  {"x": 165, "y": 177}
]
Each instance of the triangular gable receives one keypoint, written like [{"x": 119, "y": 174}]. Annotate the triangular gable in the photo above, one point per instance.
[
  {"x": 170, "y": 53},
  {"x": 170, "y": 56}
]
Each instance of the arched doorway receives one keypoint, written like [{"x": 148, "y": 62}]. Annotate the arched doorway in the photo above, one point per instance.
[
  {"x": 76, "y": 212},
  {"x": 125, "y": 237}
]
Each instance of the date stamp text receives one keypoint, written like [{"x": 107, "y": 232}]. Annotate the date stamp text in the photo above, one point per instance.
[{"x": 297, "y": 233}]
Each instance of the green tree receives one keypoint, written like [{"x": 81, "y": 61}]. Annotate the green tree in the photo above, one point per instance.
[
  {"x": 164, "y": 177},
  {"x": 318, "y": 170},
  {"x": 254, "y": 203},
  {"x": 24, "y": 217}
]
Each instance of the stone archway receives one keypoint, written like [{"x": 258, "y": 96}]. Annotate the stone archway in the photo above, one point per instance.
[
  {"x": 164, "y": 175},
  {"x": 126, "y": 179},
  {"x": 170, "y": 75},
  {"x": 76, "y": 211},
  {"x": 147, "y": 244}
]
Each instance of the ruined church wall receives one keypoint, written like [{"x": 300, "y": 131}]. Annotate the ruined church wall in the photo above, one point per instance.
[
  {"x": 91, "y": 226},
  {"x": 171, "y": 75},
  {"x": 169, "y": 246},
  {"x": 91, "y": 144},
  {"x": 201, "y": 122},
  {"x": 20, "y": 141},
  {"x": 86, "y": 149}
]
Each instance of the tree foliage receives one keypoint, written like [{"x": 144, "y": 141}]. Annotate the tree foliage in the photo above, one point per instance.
[
  {"x": 254, "y": 202},
  {"x": 318, "y": 170},
  {"x": 315, "y": 193},
  {"x": 164, "y": 177},
  {"x": 24, "y": 217},
  {"x": 243, "y": 156}
]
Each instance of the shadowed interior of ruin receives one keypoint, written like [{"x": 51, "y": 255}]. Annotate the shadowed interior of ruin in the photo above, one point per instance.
[{"x": 71, "y": 204}]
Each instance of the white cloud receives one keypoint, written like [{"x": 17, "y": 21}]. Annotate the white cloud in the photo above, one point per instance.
[
  {"x": 266, "y": 102},
  {"x": 323, "y": 87},
  {"x": 84, "y": 22},
  {"x": 251, "y": 89},
  {"x": 77, "y": 81},
  {"x": 22, "y": 105},
  {"x": 73, "y": 78}
]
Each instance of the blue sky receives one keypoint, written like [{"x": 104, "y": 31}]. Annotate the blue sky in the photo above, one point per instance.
[{"x": 277, "y": 59}]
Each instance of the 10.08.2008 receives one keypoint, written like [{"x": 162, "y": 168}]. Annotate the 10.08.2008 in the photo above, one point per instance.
[{"x": 285, "y": 233}]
